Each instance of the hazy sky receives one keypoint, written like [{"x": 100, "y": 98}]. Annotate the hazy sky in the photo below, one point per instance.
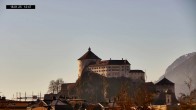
[{"x": 39, "y": 45}]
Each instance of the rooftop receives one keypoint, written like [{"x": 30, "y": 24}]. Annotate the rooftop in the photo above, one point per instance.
[
  {"x": 164, "y": 81},
  {"x": 89, "y": 55},
  {"x": 136, "y": 71},
  {"x": 112, "y": 62}
]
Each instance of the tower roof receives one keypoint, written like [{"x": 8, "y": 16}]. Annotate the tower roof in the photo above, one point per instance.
[
  {"x": 89, "y": 55},
  {"x": 165, "y": 81}
]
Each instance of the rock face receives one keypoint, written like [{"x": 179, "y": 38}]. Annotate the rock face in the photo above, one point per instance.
[
  {"x": 179, "y": 71},
  {"x": 96, "y": 88}
]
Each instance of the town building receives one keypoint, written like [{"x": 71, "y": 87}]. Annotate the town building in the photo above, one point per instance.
[
  {"x": 108, "y": 68},
  {"x": 67, "y": 90},
  {"x": 165, "y": 93},
  {"x": 165, "y": 85}
]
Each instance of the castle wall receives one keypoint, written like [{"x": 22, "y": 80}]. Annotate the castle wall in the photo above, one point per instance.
[
  {"x": 137, "y": 75},
  {"x": 83, "y": 64},
  {"x": 111, "y": 70},
  {"x": 163, "y": 88},
  {"x": 116, "y": 71}
]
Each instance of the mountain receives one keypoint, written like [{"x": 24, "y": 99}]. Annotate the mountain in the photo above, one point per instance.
[{"x": 180, "y": 70}]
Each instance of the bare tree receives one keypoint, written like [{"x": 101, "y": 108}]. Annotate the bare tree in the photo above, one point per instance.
[
  {"x": 55, "y": 86},
  {"x": 143, "y": 98},
  {"x": 52, "y": 87},
  {"x": 124, "y": 99},
  {"x": 187, "y": 100},
  {"x": 59, "y": 82}
]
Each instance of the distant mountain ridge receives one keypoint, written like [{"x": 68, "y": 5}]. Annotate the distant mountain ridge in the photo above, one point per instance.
[
  {"x": 179, "y": 71},
  {"x": 182, "y": 59}
]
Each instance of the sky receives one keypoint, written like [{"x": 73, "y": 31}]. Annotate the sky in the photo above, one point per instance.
[{"x": 37, "y": 46}]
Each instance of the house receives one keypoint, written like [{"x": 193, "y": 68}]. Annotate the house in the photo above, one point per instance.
[
  {"x": 67, "y": 90},
  {"x": 39, "y": 105},
  {"x": 165, "y": 93},
  {"x": 60, "y": 105}
]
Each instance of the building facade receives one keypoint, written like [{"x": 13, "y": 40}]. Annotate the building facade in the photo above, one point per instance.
[
  {"x": 165, "y": 93},
  {"x": 165, "y": 85},
  {"x": 108, "y": 68}
]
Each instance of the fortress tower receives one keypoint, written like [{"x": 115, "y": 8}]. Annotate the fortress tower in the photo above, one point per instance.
[{"x": 88, "y": 58}]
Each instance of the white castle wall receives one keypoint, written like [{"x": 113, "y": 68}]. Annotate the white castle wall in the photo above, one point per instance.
[{"x": 111, "y": 70}]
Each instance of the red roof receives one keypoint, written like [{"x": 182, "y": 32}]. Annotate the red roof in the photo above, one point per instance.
[{"x": 89, "y": 55}]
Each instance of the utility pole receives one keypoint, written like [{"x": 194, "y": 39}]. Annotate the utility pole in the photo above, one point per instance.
[
  {"x": 17, "y": 96},
  {"x": 40, "y": 95},
  {"x": 25, "y": 96},
  {"x": 20, "y": 95},
  {"x": 32, "y": 96},
  {"x": 13, "y": 96}
]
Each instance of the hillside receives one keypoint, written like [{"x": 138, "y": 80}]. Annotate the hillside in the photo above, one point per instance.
[
  {"x": 179, "y": 71},
  {"x": 94, "y": 87}
]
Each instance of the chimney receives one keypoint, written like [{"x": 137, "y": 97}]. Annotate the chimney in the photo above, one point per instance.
[
  {"x": 3, "y": 98},
  {"x": 110, "y": 59},
  {"x": 122, "y": 58}
]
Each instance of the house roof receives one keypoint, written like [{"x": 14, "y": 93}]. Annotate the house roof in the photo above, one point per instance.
[
  {"x": 111, "y": 62},
  {"x": 136, "y": 71},
  {"x": 57, "y": 102},
  {"x": 89, "y": 55},
  {"x": 150, "y": 86},
  {"x": 41, "y": 103},
  {"x": 164, "y": 81},
  {"x": 50, "y": 96}
]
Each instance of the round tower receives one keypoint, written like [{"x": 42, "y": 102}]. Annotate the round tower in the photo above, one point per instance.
[{"x": 88, "y": 58}]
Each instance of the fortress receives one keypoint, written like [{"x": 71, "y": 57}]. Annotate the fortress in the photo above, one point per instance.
[
  {"x": 108, "y": 68},
  {"x": 163, "y": 91}
]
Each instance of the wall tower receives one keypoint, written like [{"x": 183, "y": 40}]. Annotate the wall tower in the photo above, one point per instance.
[{"x": 88, "y": 58}]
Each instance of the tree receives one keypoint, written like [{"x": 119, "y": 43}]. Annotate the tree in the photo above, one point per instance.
[
  {"x": 52, "y": 87},
  {"x": 187, "y": 100},
  {"x": 59, "y": 82},
  {"x": 143, "y": 98},
  {"x": 123, "y": 98},
  {"x": 55, "y": 86}
]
